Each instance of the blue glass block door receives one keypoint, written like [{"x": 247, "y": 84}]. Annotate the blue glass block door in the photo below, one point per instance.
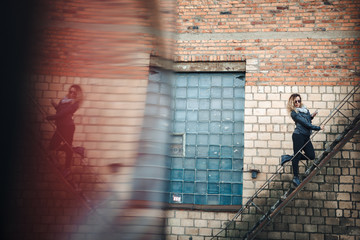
[{"x": 208, "y": 112}]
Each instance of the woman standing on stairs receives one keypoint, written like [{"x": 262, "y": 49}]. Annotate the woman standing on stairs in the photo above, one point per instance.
[
  {"x": 301, "y": 135},
  {"x": 65, "y": 126}
]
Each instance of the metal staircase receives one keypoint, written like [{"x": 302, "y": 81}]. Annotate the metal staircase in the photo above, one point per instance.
[
  {"x": 332, "y": 149},
  {"x": 97, "y": 209},
  {"x": 70, "y": 180}
]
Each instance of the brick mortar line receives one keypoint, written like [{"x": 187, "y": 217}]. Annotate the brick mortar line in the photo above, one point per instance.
[{"x": 267, "y": 35}]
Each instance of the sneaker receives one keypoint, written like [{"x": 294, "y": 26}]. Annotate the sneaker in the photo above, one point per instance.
[
  {"x": 296, "y": 181},
  {"x": 80, "y": 151},
  {"x": 285, "y": 159}
]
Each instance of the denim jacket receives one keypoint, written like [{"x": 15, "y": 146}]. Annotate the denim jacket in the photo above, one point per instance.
[{"x": 303, "y": 123}]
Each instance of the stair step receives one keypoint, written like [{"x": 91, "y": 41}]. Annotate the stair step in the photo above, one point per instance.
[{"x": 352, "y": 129}]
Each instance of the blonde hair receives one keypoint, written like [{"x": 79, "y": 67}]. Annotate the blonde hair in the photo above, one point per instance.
[
  {"x": 79, "y": 93},
  {"x": 291, "y": 102}
]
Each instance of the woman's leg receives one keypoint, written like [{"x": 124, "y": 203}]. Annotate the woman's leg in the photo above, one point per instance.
[
  {"x": 55, "y": 141},
  {"x": 309, "y": 150},
  {"x": 67, "y": 133},
  {"x": 298, "y": 143}
]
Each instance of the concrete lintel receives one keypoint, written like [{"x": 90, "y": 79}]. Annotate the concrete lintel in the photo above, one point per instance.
[{"x": 198, "y": 66}]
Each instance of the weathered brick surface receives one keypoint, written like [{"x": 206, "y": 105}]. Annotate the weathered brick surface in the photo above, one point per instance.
[
  {"x": 315, "y": 213},
  {"x": 310, "y": 47},
  {"x": 248, "y": 16},
  {"x": 289, "y": 47},
  {"x": 105, "y": 47},
  {"x": 272, "y": 58}
]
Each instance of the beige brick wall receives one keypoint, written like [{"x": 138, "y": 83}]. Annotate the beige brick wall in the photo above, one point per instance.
[
  {"x": 200, "y": 225},
  {"x": 268, "y": 130},
  {"x": 109, "y": 121},
  {"x": 268, "y": 126}
]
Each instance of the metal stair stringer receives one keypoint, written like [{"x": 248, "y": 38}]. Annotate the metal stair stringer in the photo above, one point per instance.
[
  {"x": 328, "y": 154},
  {"x": 71, "y": 183},
  {"x": 38, "y": 147}
]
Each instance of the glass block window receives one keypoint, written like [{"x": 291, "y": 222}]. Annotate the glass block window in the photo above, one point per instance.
[{"x": 206, "y": 151}]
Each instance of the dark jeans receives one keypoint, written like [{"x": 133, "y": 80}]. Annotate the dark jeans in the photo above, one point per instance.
[
  {"x": 299, "y": 140},
  {"x": 65, "y": 135}
]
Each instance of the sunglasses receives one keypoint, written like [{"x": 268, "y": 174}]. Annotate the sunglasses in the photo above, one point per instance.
[
  {"x": 74, "y": 92},
  {"x": 297, "y": 101}
]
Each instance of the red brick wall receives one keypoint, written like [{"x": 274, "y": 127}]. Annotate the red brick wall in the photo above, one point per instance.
[
  {"x": 91, "y": 39},
  {"x": 294, "y": 42},
  {"x": 204, "y": 16}
]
